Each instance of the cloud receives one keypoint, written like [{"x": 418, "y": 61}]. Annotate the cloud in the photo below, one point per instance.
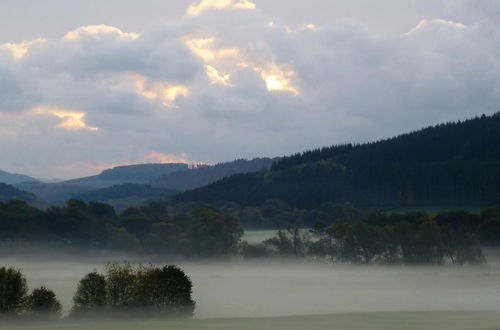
[
  {"x": 197, "y": 9},
  {"x": 97, "y": 31},
  {"x": 207, "y": 89},
  {"x": 72, "y": 120},
  {"x": 431, "y": 25},
  {"x": 20, "y": 49},
  {"x": 158, "y": 157},
  {"x": 217, "y": 78}
]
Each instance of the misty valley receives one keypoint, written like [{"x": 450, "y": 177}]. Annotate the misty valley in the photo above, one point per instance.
[
  {"x": 293, "y": 269},
  {"x": 400, "y": 233}
]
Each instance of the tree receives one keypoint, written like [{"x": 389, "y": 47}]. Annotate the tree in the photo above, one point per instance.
[
  {"x": 281, "y": 242},
  {"x": 42, "y": 302},
  {"x": 120, "y": 285},
  {"x": 368, "y": 240},
  {"x": 13, "y": 291},
  {"x": 342, "y": 233},
  {"x": 90, "y": 294},
  {"x": 135, "y": 221},
  {"x": 215, "y": 232},
  {"x": 164, "y": 290}
]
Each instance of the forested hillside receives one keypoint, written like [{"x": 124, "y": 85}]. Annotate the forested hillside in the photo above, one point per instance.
[
  {"x": 141, "y": 173},
  {"x": 126, "y": 190},
  {"x": 202, "y": 175},
  {"x": 448, "y": 164},
  {"x": 8, "y": 192}
]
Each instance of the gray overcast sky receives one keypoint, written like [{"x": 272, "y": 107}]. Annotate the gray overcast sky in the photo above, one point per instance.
[
  {"x": 29, "y": 19},
  {"x": 87, "y": 84}
]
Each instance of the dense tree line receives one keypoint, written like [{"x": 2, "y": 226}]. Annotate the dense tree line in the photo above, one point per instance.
[
  {"x": 449, "y": 164},
  {"x": 201, "y": 230},
  {"x": 184, "y": 230},
  {"x": 412, "y": 238}
]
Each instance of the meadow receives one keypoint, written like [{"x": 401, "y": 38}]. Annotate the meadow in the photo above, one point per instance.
[{"x": 287, "y": 294}]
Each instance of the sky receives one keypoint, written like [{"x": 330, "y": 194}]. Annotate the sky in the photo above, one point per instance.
[{"x": 87, "y": 85}]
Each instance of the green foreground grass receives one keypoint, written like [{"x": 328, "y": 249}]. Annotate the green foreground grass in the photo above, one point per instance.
[{"x": 351, "y": 321}]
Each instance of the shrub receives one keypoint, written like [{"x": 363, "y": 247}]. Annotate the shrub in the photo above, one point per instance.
[{"x": 42, "y": 302}]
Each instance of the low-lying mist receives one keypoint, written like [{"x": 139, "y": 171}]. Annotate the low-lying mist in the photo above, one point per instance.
[{"x": 271, "y": 288}]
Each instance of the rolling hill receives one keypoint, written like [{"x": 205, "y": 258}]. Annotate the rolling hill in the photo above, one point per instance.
[
  {"x": 136, "y": 174},
  {"x": 135, "y": 183},
  {"x": 14, "y": 178},
  {"x": 140, "y": 174},
  {"x": 448, "y": 164}
]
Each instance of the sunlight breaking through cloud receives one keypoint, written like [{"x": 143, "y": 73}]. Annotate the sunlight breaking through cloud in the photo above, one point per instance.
[
  {"x": 197, "y": 9},
  {"x": 72, "y": 120},
  {"x": 216, "y": 78},
  {"x": 158, "y": 91},
  {"x": 159, "y": 157},
  {"x": 277, "y": 78},
  {"x": 204, "y": 48}
]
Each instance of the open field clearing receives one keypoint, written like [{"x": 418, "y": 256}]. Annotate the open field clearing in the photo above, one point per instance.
[{"x": 351, "y": 321}]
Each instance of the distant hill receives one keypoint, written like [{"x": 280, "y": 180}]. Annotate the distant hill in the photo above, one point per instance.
[
  {"x": 202, "y": 175},
  {"x": 448, "y": 164},
  {"x": 136, "y": 182},
  {"x": 141, "y": 174},
  {"x": 8, "y": 192},
  {"x": 13, "y": 178},
  {"x": 137, "y": 174}
]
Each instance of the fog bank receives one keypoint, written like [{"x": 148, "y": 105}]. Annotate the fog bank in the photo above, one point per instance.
[{"x": 268, "y": 289}]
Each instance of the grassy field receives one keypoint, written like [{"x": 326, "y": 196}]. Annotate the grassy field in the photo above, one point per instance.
[{"x": 351, "y": 321}]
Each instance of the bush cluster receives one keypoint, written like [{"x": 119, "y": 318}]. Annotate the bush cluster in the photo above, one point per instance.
[
  {"x": 146, "y": 290},
  {"x": 15, "y": 301},
  {"x": 121, "y": 291}
]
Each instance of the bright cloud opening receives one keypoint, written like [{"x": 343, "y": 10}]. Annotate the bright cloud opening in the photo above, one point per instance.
[
  {"x": 197, "y": 9},
  {"x": 158, "y": 91},
  {"x": 277, "y": 79},
  {"x": 170, "y": 95},
  {"x": 158, "y": 157},
  {"x": 204, "y": 48},
  {"x": 72, "y": 120},
  {"x": 216, "y": 78}
]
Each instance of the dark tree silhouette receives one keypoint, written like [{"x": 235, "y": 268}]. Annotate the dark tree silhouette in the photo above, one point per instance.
[
  {"x": 43, "y": 303},
  {"x": 13, "y": 291},
  {"x": 90, "y": 294}
]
